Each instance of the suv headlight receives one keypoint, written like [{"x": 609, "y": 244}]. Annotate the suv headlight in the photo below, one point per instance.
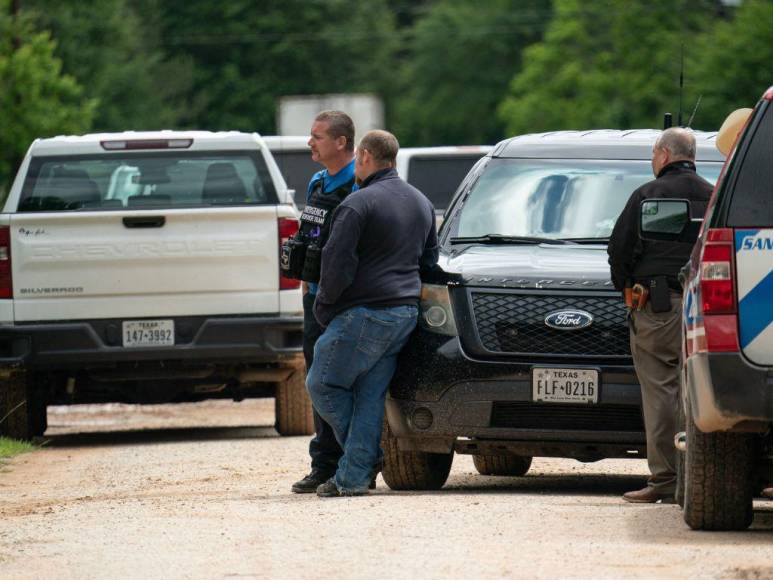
[{"x": 436, "y": 313}]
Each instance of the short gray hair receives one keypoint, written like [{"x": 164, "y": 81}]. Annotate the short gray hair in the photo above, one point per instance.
[
  {"x": 339, "y": 124},
  {"x": 382, "y": 145},
  {"x": 678, "y": 141}
]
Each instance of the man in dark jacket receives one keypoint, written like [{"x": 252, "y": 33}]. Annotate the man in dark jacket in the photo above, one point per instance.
[
  {"x": 369, "y": 291},
  {"x": 655, "y": 329}
]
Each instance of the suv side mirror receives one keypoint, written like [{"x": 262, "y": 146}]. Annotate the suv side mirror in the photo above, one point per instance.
[{"x": 668, "y": 220}]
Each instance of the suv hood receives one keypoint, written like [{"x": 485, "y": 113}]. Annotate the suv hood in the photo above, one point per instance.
[{"x": 530, "y": 266}]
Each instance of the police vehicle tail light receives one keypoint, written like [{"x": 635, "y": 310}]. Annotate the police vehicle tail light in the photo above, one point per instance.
[
  {"x": 436, "y": 314},
  {"x": 287, "y": 229},
  {"x": 718, "y": 302},
  {"x": 6, "y": 286},
  {"x": 717, "y": 284}
]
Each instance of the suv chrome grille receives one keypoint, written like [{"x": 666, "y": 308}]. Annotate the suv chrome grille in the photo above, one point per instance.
[{"x": 514, "y": 323}]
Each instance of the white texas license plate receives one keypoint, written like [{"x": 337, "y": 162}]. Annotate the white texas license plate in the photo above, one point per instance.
[
  {"x": 565, "y": 385},
  {"x": 148, "y": 333}
]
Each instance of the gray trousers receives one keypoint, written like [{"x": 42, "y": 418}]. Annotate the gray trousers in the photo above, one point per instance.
[{"x": 656, "y": 345}]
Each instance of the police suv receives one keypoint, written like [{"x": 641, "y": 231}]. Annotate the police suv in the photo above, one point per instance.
[
  {"x": 523, "y": 347},
  {"x": 144, "y": 267},
  {"x": 728, "y": 327}
]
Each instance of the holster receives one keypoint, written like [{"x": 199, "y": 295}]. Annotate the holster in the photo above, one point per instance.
[
  {"x": 660, "y": 295},
  {"x": 293, "y": 258},
  {"x": 312, "y": 264},
  {"x": 639, "y": 297}
]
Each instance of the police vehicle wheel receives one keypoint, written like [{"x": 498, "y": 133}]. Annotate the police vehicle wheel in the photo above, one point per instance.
[
  {"x": 718, "y": 479},
  {"x": 22, "y": 406},
  {"x": 514, "y": 465},
  {"x": 294, "y": 415},
  {"x": 413, "y": 470}
]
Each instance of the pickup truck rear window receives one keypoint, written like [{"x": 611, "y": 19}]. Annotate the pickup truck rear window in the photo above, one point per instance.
[
  {"x": 146, "y": 180},
  {"x": 751, "y": 204}
]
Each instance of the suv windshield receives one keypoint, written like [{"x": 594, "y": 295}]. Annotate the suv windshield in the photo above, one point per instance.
[
  {"x": 137, "y": 180},
  {"x": 752, "y": 202},
  {"x": 557, "y": 199}
]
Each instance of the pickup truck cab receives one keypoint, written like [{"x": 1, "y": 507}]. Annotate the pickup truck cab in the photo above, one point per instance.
[
  {"x": 144, "y": 267},
  {"x": 293, "y": 157},
  {"x": 438, "y": 171},
  {"x": 728, "y": 338}
]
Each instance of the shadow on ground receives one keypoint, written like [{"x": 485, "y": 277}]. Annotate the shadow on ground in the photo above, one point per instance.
[
  {"x": 157, "y": 436},
  {"x": 569, "y": 484},
  {"x": 662, "y": 524}
]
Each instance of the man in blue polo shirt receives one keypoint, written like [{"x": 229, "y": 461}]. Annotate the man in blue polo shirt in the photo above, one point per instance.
[{"x": 332, "y": 145}]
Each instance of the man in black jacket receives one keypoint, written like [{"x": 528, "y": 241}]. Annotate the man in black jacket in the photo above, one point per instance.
[
  {"x": 369, "y": 291},
  {"x": 655, "y": 329}
]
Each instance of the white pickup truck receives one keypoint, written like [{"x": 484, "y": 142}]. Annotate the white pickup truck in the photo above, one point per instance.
[{"x": 144, "y": 268}]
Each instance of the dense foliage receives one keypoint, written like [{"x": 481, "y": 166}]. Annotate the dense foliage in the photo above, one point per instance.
[
  {"x": 36, "y": 97},
  {"x": 449, "y": 71}
]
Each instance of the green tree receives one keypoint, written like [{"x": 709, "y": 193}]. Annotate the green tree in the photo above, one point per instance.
[
  {"x": 733, "y": 65},
  {"x": 247, "y": 54},
  {"x": 112, "y": 48},
  {"x": 36, "y": 98},
  {"x": 606, "y": 64},
  {"x": 461, "y": 59}
]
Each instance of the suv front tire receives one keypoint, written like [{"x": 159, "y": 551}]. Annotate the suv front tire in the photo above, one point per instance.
[{"x": 413, "y": 470}]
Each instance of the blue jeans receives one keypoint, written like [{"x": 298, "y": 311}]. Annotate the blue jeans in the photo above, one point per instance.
[{"x": 354, "y": 361}]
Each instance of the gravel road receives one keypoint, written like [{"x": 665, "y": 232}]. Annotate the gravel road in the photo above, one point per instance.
[{"x": 203, "y": 491}]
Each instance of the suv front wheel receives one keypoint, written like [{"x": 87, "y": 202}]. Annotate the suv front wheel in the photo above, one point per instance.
[
  {"x": 413, "y": 470},
  {"x": 718, "y": 479}
]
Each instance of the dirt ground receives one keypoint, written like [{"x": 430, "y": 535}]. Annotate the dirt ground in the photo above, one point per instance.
[{"x": 203, "y": 491}]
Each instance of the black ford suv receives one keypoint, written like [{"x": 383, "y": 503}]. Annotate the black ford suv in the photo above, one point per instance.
[{"x": 522, "y": 348}]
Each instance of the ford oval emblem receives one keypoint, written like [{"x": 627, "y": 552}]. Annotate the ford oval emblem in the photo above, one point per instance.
[{"x": 569, "y": 319}]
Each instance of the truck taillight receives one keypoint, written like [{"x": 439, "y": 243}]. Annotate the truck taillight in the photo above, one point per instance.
[
  {"x": 717, "y": 284},
  {"x": 6, "y": 286},
  {"x": 718, "y": 303},
  {"x": 288, "y": 227}
]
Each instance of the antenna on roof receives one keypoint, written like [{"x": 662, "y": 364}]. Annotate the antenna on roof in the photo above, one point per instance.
[
  {"x": 667, "y": 121},
  {"x": 681, "y": 86},
  {"x": 695, "y": 110}
]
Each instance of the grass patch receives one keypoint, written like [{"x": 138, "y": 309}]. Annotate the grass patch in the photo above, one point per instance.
[{"x": 11, "y": 447}]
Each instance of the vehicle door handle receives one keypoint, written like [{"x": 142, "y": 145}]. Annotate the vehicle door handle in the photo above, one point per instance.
[{"x": 153, "y": 221}]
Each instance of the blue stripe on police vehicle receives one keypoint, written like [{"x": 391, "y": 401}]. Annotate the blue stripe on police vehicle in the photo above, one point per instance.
[{"x": 754, "y": 266}]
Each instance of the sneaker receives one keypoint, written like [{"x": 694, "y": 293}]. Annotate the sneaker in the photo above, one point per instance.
[
  {"x": 330, "y": 489},
  {"x": 311, "y": 482}
]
